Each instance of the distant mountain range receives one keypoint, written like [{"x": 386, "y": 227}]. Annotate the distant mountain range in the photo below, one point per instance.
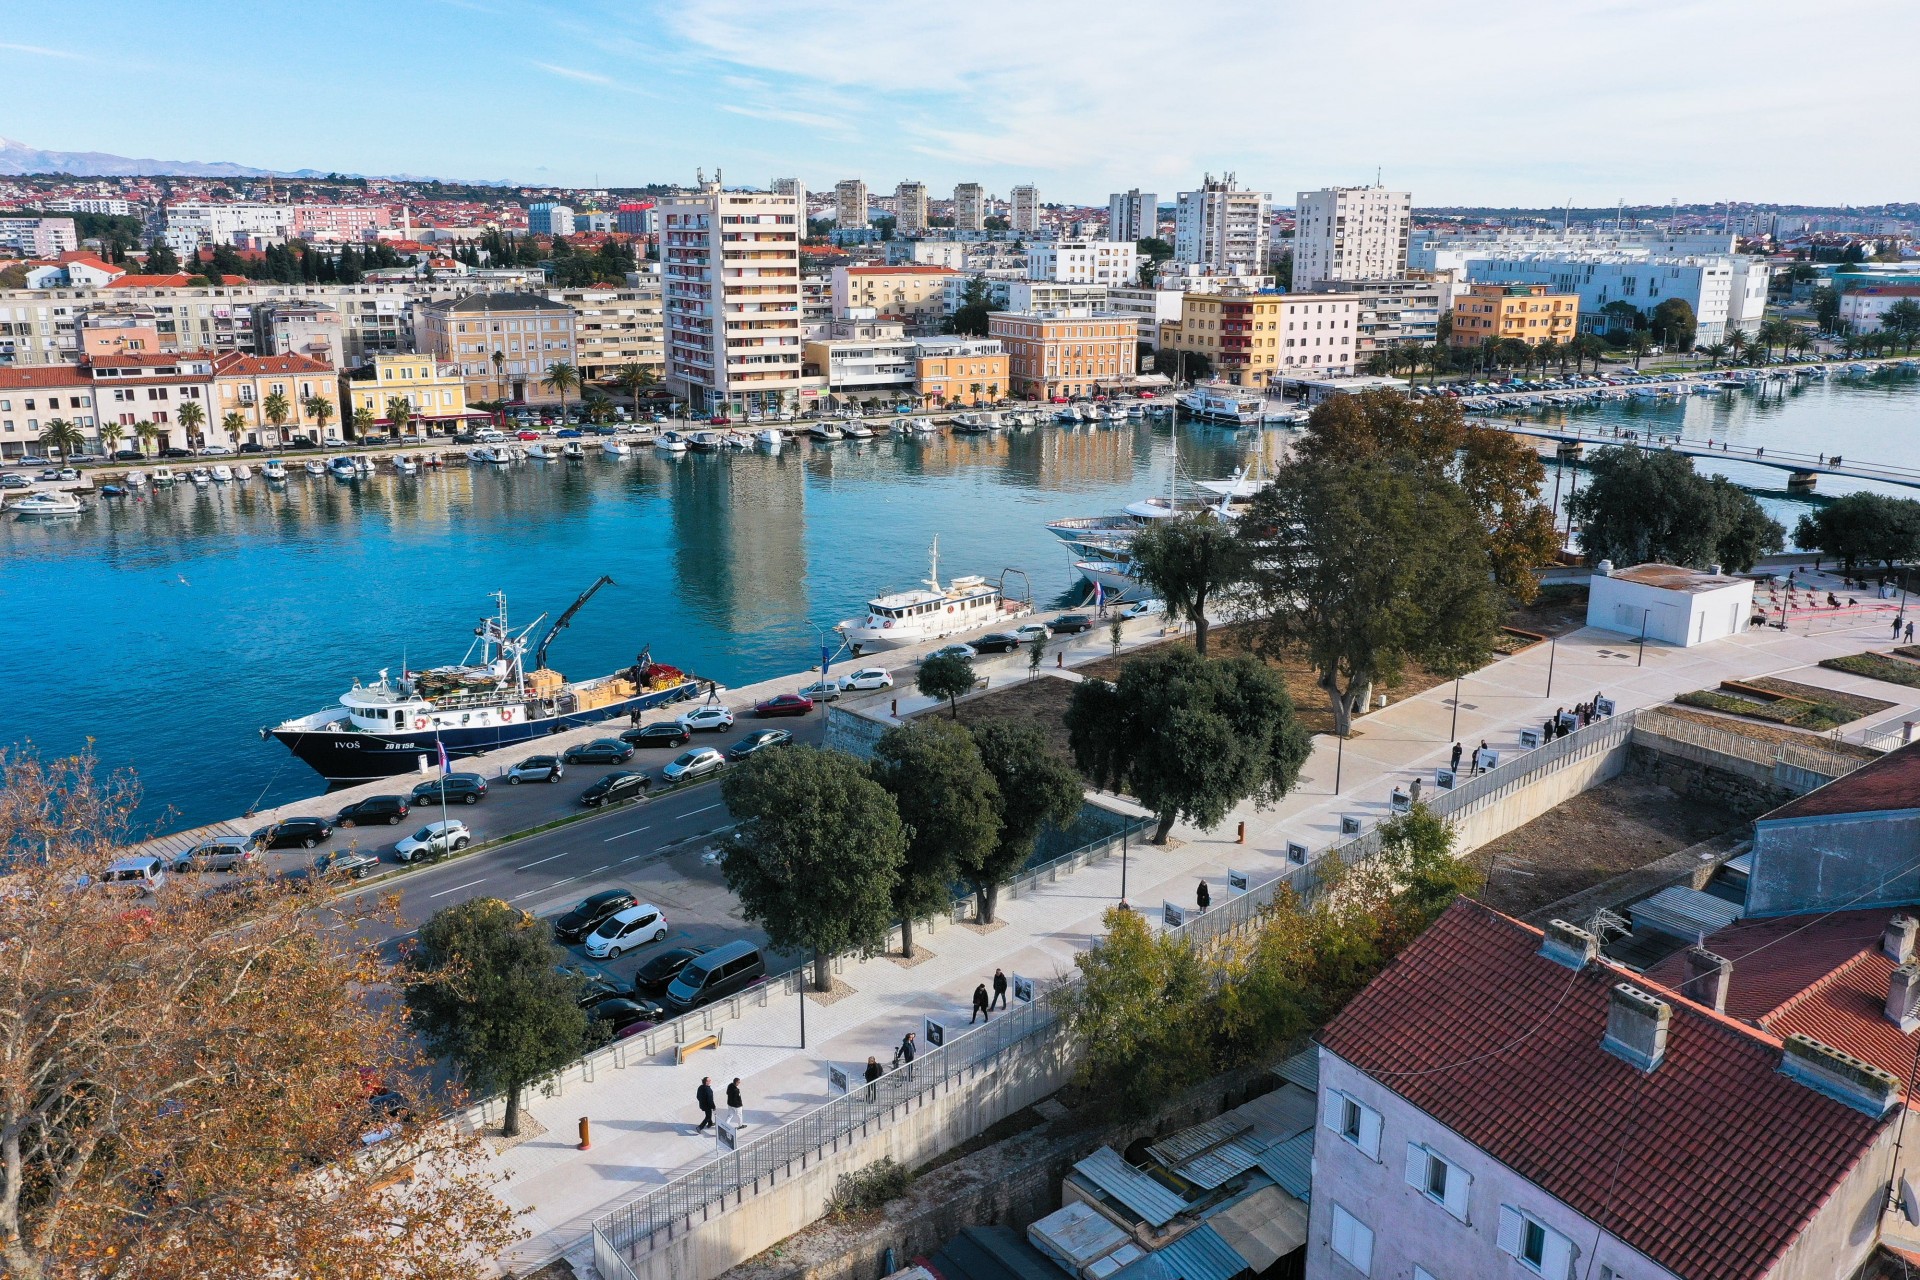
[{"x": 17, "y": 158}]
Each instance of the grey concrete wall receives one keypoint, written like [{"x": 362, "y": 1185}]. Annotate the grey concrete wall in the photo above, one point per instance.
[
  {"x": 1746, "y": 787},
  {"x": 1524, "y": 804},
  {"x": 853, "y": 733},
  {"x": 1846, "y": 860}
]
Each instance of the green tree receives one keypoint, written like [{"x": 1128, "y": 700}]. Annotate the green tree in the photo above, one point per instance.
[
  {"x": 634, "y": 378},
  {"x": 1673, "y": 323},
  {"x": 1416, "y": 854},
  {"x": 399, "y": 414},
  {"x": 193, "y": 418},
  {"x": 562, "y": 378},
  {"x": 277, "y": 409},
  {"x": 111, "y": 434},
  {"x": 1639, "y": 343},
  {"x": 946, "y": 675},
  {"x": 146, "y": 432},
  {"x": 1140, "y": 1013},
  {"x": 1188, "y": 736},
  {"x": 1037, "y": 651},
  {"x": 1863, "y": 529},
  {"x": 1902, "y": 320},
  {"x": 1826, "y": 308},
  {"x": 976, "y": 301},
  {"x": 62, "y": 435},
  {"x": 1653, "y": 506},
  {"x": 162, "y": 260},
  {"x": 1186, "y": 561},
  {"x": 488, "y": 993},
  {"x": 1033, "y": 789},
  {"x": 817, "y": 853},
  {"x": 945, "y": 797},
  {"x": 320, "y": 409},
  {"x": 1362, "y": 567},
  {"x": 362, "y": 420},
  {"x": 233, "y": 422},
  {"x": 1157, "y": 252},
  {"x": 1715, "y": 352}
]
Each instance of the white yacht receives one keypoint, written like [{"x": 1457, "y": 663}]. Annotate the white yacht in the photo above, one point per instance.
[
  {"x": 909, "y": 617},
  {"x": 1224, "y": 403},
  {"x": 315, "y": 467},
  {"x": 222, "y": 474},
  {"x": 824, "y": 430},
  {"x": 615, "y": 447},
  {"x": 671, "y": 442},
  {"x": 45, "y": 506},
  {"x": 136, "y": 480}
]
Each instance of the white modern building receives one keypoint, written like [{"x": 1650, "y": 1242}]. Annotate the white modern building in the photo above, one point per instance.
[
  {"x": 1668, "y": 603},
  {"x": 193, "y": 224},
  {"x": 730, "y": 278},
  {"x": 951, "y": 254},
  {"x": 970, "y": 207},
  {"x": 1106, "y": 262},
  {"x": 1024, "y": 215},
  {"x": 1863, "y": 309},
  {"x": 781, "y": 187},
  {"x": 109, "y": 205},
  {"x": 1133, "y": 215},
  {"x": 1222, "y": 228},
  {"x": 1726, "y": 291},
  {"x": 910, "y": 207},
  {"x": 1350, "y": 233},
  {"x": 1394, "y": 313},
  {"x": 1049, "y": 295},
  {"x": 1451, "y": 251},
  {"x": 549, "y": 218},
  {"x": 1152, "y": 307},
  {"x": 862, "y": 354}
]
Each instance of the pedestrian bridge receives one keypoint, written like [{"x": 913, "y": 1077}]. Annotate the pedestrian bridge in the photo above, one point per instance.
[{"x": 1803, "y": 469}]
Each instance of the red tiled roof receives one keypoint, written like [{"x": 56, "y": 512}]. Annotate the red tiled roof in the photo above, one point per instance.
[
  {"x": 234, "y": 362},
  {"x": 91, "y": 260},
  {"x": 36, "y": 377},
  {"x": 1711, "y": 1164},
  {"x": 1891, "y": 782},
  {"x": 1777, "y": 958},
  {"x": 178, "y": 280}
]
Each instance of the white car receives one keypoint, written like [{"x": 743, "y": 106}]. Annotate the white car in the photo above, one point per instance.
[
  {"x": 954, "y": 650},
  {"x": 867, "y": 678},
  {"x": 706, "y": 719},
  {"x": 689, "y": 765},
  {"x": 1029, "y": 632},
  {"x": 1141, "y": 608},
  {"x": 435, "y": 840},
  {"x": 625, "y": 930}
]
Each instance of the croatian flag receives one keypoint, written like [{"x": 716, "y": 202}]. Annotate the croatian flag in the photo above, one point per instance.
[
  {"x": 442, "y": 748},
  {"x": 1099, "y": 596}
]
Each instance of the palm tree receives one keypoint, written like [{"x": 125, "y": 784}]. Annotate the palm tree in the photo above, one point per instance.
[
  {"x": 193, "y": 418},
  {"x": 64, "y": 436},
  {"x": 146, "y": 433},
  {"x": 1715, "y": 352},
  {"x": 499, "y": 363},
  {"x": 235, "y": 422},
  {"x": 111, "y": 434},
  {"x": 1638, "y": 342},
  {"x": 399, "y": 414},
  {"x": 361, "y": 420},
  {"x": 320, "y": 409},
  {"x": 1737, "y": 346},
  {"x": 633, "y": 378},
  {"x": 278, "y": 409},
  {"x": 1802, "y": 341},
  {"x": 598, "y": 405},
  {"x": 561, "y": 378},
  {"x": 1546, "y": 352}
]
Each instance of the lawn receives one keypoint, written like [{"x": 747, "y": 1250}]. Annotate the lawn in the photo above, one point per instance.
[
  {"x": 1877, "y": 666},
  {"x": 1803, "y": 706}
]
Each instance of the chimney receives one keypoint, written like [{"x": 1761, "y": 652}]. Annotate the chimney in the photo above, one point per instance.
[
  {"x": 1569, "y": 944},
  {"x": 1903, "y": 995},
  {"x": 1896, "y": 940},
  {"x": 1637, "y": 1027},
  {"x": 1708, "y": 977},
  {"x": 1604, "y": 568},
  {"x": 1714, "y": 569},
  {"x": 1840, "y": 1076}
]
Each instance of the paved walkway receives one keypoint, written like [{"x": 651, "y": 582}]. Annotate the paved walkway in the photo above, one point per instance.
[{"x": 643, "y": 1115}]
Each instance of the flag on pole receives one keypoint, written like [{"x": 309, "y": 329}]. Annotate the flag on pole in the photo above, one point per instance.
[
  {"x": 1099, "y": 596},
  {"x": 442, "y": 748}
]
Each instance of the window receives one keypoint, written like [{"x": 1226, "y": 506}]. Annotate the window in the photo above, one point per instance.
[
  {"x": 1353, "y": 1120},
  {"x": 1353, "y": 1240},
  {"x": 1534, "y": 1244},
  {"x": 1439, "y": 1179}
]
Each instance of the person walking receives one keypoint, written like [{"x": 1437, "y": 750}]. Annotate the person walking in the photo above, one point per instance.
[
  {"x": 704, "y": 1097},
  {"x": 1909, "y": 633},
  {"x": 874, "y": 1072},
  {"x": 1202, "y": 896},
  {"x": 1413, "y": 792},
  {"x": 1454, "y": 763},
  {"x": 736, "y": 1113},
  {"x": 999, "y": 990},
  {"x": 908, "y": 1049},
  {"x": 979, "y": 1004}
]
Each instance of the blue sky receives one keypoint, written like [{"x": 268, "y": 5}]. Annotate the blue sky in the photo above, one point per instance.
[{"x": 1494, "y": 101}]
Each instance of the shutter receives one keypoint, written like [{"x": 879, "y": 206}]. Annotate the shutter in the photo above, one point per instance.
[
  {"x": 1343, "y": 1225},
  {"x": 1370, "y": 1132},
  {"x": 1330, "y": 1102},
  {"x": 1362, "y": 1255},
  {"x": 1459, "y": 1182},
  {"x": 1556, "y": 1260},
  {"x": 1510, "y": 1224},
  {"x": 1417, "y": 1166}
]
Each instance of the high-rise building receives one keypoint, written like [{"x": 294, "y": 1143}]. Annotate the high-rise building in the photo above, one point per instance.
[
  {"x": 1133, "y": 215},
  {"x": 730, "y": 267},
  {"x": 850, "y": 205},
  {"x": 970, "y": 207},
  {"x": 798, "y": 190},
  {"x": 1108, "y": 262},
  {"x": 547, "y": 218},
  {"x": 1350, "y": 233},
  {"x": 1026, "y": 208},
  {"x": 910, "y": 206},
  {"x": 1222, "y": 228}
]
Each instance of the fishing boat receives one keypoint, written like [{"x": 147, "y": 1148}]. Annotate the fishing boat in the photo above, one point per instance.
[
  {"x": 314, "y": 467},
  {"x": 163, "y": 477},
  {"x": 201, "y": 477},
  {"x": 895, "y": 619},
  {"x": 222, "y": 474},
  {"x": 135, "y": 480},
  {"x": 274, "y": 469},
  {"x": 45, "y": 506},
  {"x": 1223, "y": 403},
  {"x": 499, "y": 694}
]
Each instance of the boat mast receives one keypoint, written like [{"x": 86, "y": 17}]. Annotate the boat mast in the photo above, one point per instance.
[{"x": 933, "y": 572}]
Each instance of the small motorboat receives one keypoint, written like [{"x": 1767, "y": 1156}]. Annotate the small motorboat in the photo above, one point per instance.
[
  {"x": 614, "y": 447},
  {"x": 163, "y": 477},
  {"x": 222, "y": 474},
  {"x": 739, "y": 440},
  {"x": 243, "y": 472},
  {"x": 572, "y": 451},
  {"x": 923, "y": 426},
  {"x": 135, "y": 480},
  {"x": 671, "y": 442},
  {"x": 45, "y": 506},
  {"x": 343, "y": 469},
  {"x": 315, "y": 467},
  {"x": 114, "y": 491},
  {"x": 406, "y": 466},
  {"x": 857, "y": 430},
  {"x": 539, "y": 452},
  {"x": 274, "y": 469},
  {"x": 769, "y": 438},
  {"x": 825, "y": 431},
  {"x": 201, "y": 477},
  {"x": 705, "y": 441}
]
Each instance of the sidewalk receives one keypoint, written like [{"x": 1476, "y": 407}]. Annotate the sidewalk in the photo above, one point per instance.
[{"x": 643, "y": 1115}]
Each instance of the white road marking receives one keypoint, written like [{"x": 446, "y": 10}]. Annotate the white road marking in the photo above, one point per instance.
[
  {"x": 457, "y": 888},
  {"x": 623, "y": 835},
  {"x": 523, "y": 866},
  {"x": 709, "y": 809}
]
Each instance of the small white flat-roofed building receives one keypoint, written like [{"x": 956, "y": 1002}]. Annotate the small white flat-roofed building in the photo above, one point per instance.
[{"x": 1668, "y": 603}]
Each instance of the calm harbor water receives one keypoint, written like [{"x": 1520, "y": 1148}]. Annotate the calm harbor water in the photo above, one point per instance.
[{"x": 169, "y": 629}]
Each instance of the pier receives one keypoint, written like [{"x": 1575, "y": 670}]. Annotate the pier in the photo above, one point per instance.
[{"x": 1803, "y": 469}]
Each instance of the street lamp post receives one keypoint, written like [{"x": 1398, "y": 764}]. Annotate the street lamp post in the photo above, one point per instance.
[
  {"x": 1453, "y": 732},
  {"x": 1553, "y": 649}
]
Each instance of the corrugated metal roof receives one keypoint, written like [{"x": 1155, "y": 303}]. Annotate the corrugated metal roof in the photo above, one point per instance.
[
  {"x": 1262, "y": 1226},
  {"x": 1684, "y": 913},
  {"x": 1303, "y": 1069},
  {"x": 1132, "y": 1188},
  {"x": 1291, "y": 1164},
  {"x": 1200, "y": 1254},
  {"x": 1215, "y": 1167},
  {"x": 1076, "y": 1235}
]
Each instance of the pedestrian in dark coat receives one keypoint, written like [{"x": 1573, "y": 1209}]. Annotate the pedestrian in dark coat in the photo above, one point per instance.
[
  {"x": 1454, "y": 764},
  {"x": 979, "y": 1003},
  {"x": 999, "y": 990},
  {"x": 736, "y": 1116},
  {"x": 874, "y": 1072},
  {"x": 704, "y": 1097},
  {"x": 908, "y": 1049},
  {"x": 1202, "y": 896}
]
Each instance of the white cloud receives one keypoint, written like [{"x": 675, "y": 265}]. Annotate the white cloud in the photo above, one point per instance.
[
  {"x": 40, "y": 52},
  {"x": 574, "y": 73}
]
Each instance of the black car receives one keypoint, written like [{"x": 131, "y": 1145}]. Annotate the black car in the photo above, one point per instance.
[
  {"x": 621, "y": 784},
  {"x": 251, "y": 447},
  {"x": 129, "y": 455},
  {"x": 388, "y": 809},
  {"x": 595, "y": 986},
  {"x": 758, "y": 740},
  {"x": 174, "y": 451},
  {"x": 460, "y": 788},
  {"x": 599, "y": 751},
  {"x": 590, "y": 911},
  {"x": 1070, "y": 624},
  {"x": 658, "y": 973},
  {"x": 622, "y": 1012},
  {"x": 996, "y": 642},
  {"x": 664, "y": 734},
  {"x": 294, "y": 833},
  {"x": 337, "y": 863}
]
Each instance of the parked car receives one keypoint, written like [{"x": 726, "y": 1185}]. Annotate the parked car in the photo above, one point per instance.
[
  {"x": 253, "y": 447},
  {"x": 867, "y": 678},
  {"x": 215, "y": 451},
  {"x": 996, "y": 642},
  {"x": 364, "y": 813},
  {"x": 32, "y": 460},
  {"x": 1031, "y": 631},
  {"x": 129, "y": 455},
  {"x": 435, "y": 840},
  {"x": 716, "y": 975},
  {"x": 707, "y": 719},
  {"x": 222, "y": 853},
  {"x": 626, "y": 929},
  {"x": 350, "y": 863},
  {"x": 689, "y": 765},
  {"x": 536, "y": 769},
  {"x": 599, "y": 751},
  {"x": 590, "y": 911},
  {"x": 1141, "y": 608},
  {"x": 656, "y": 975},
  {"x": 1068, "y": 624},
  {"x": 662, "y": 733},
  {"x": 294, "y": 833},
  {"x": 758, "y": 740},
  {"x": 594, "y": 984},
  {"x": 622, "y": 1014},
  {"x": 783, "y": 704},
  {"x": 15, "y": 482},
  {"x": 454, "y": 788},
  {"x": 954, "y": 650},
  {"x": 621, "y": 784},
  {"x": 820, "y": 691},
  {"x": 139, "y": 873},
  {"x": 175, "y": 451}
]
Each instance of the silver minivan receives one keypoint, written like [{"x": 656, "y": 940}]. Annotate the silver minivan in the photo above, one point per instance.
[
  {"x": 142, "y": 873},
  {"x": 716, "y": 975}
]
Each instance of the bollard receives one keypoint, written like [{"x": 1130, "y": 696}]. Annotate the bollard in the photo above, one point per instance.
[
  {"x": 586, "y": 1138},
  {"x": 1243, "y": 834}
]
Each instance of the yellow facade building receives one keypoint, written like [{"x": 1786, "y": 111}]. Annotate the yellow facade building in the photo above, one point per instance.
[
  {"x": 1253, "y": 338},
  {"x": 435, "y": 392},
  {"x": 1528, "y": 312}
]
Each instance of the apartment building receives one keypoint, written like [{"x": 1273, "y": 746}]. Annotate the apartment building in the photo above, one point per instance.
[
  {"x": 1133, "y": 215},
  {"x": 1253, "y": 339},
  {"x": 910, "y": 207},
  {"x": 30, "y": 398},
  {"x": 1106, "y": 262},
  {"x": 928, "y": 253},
  {"x": 1024, "y": 210},
  {"x": 137, "y": 388},
  {"x": 341, "y": 222},
  {"x": 788, "y": 187},
  {"x": 969, "y": 207},
  {"x": 299, "y": 326},
  {"x": 863, "y": 357},
  {"x": 1350, "y": 233},
  {"x": 1394, "y": 313},
  {"x": 850, "y": 205},
  {"x": 1222, "y": 228},
  {"x": 915, "y": 296},
  {"x": 549, "y": 218},
  {"x": 730, "y": 267},
  {"x": 39, "y": 237},
  {"x": 635, "y": 218},
  {"x": 191, "y": 225},
  {"x": 503, "y": 343},
  {"x": 1065, "y": 353},
  {"x": 617, "y": 326},
  {"x": 245, "y": 385},
  {"x": 112, "y": 206},
  {"x": 435, "y": 392},
  {"x": 1532, "y": 313},
  {"x": 1046, "y": 295},
  {"x": 1151, "y": 308},
  {"x": 960, "y": 371},
  {"x": 1725, "y": 291},
  {"x": 128, "y": 328}
]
